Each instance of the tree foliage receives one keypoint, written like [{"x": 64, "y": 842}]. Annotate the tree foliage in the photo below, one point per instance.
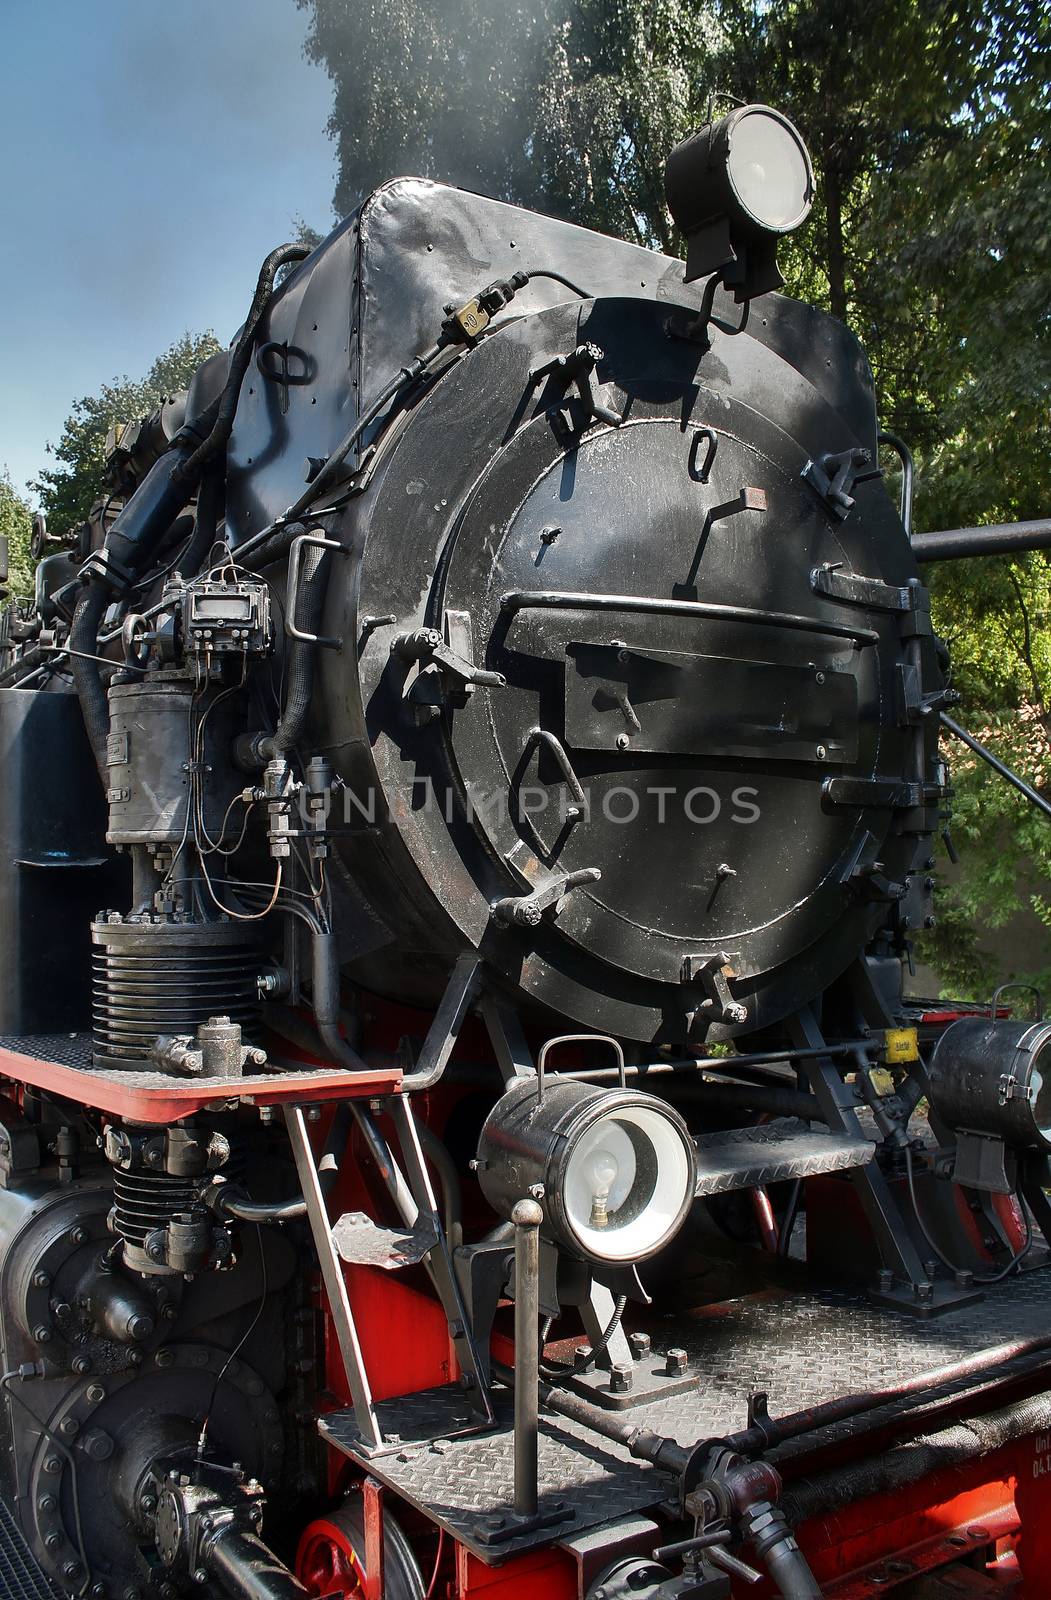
[
  {"x": 67, "y": 491},
  {"x": 16, "y": 526},
  {"x": 929, "y": 124}
]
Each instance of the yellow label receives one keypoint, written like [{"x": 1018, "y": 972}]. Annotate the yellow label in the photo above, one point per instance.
[{"x": 901, "y": 1044}]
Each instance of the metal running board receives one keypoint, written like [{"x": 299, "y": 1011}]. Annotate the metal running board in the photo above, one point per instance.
[
  {"x": 741, "y": 1158},
  {"x": 20, "y": 1576}
]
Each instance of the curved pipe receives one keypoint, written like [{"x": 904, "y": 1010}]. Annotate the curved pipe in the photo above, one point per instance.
[
  {"x": 220, "y": 415},
  {"x": 87, "y": 674},
  {"x": 232, "y": 1203}
]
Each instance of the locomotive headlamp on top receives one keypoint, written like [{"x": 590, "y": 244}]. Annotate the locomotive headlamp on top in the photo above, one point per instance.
[
  {"x": 734, "y": 188},
  {"x": 617, "y": 1167}
]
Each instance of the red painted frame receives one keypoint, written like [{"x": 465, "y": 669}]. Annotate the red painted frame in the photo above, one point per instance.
[{"x": 169, "y": 1100}]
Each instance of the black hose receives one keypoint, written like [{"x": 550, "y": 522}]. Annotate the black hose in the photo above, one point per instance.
[
  {"x": 233, "y": 1203},
  {"x": 226, "y": 406},
  {"x": 301, "y": 657},
  {"x": 87, "y": 676},
  {"x": 209, "y": 500}
]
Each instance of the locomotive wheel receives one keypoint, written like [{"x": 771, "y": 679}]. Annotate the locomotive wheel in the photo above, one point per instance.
[{"x": 330, "y": 1560}]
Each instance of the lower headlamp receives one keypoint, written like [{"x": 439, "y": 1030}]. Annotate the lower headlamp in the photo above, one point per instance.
[{"x": 617, "y": 1167}]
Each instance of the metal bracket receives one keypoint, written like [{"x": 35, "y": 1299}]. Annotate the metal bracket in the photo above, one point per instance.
[
  {"x": 713, "y": 972},
  {"x": 363, "y": 1242},
  {"x": 882, "y": 793},
  {"x": 855, "y": 589},
  {"x": 333, "y": 1279},
  {"x": 834, "y": 476}
]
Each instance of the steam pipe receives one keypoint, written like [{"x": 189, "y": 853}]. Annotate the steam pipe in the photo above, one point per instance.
[
  {"x": 952, "y": 1446},
  {"x": 996, "y": 539}
]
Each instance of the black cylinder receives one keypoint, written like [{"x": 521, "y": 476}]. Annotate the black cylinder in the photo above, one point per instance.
[
  {"x": 997, "y": 539},
  {"x": 995, "y": 1078}
]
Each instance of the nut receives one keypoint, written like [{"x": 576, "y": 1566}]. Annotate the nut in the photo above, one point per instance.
[{"x": 675, "y": 1363}]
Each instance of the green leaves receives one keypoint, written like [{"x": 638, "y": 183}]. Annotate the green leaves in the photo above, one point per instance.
[
  {"x": 68, "y": 491},
  {"x": 16, "y": 525}
]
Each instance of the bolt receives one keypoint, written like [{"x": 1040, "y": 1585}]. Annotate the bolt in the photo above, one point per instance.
[
  {"x": 622, "y": 741},
  {"x": 819, "y": 677},
  {"x": 675, "y": 1363},
  {"x": 165, "y": 1358},
  {"x": 820, "y": 752},
  {"x": 640, "y": 1345},
  {"x": 924, "y": 1290},
  {"x": 931, "y": 1268},
  {"x": 68, "y": 1426},
  {"x": 47, "y": 1502},
  {"x": 930, "y": 922},
  {"x": 581, "y": 1356},
  {"x": 77, "y": 1235},
  {"x": 41, "y": 1280},
  {"x": 200, "y": 1576},
  {"x": 963, "y": 1277},
  {"x": 70, "y": 1569},
  {"x": 885, "y": 1280},
  {"x": 621, "y": 1379},
  {"x": 81, "y": 1364},
  {"x": 95, "y": 1392},
  {"x": 549, "y": 535},
  {"x": 53, "y": 1541},
  {"x": 52, "y": 1464},
  {"x": 148, "y": 1503},
  {"x": 537, "y": 1191},
  {"x": 41, "y": 1334},
  {"x": 98, "y": 1591}
]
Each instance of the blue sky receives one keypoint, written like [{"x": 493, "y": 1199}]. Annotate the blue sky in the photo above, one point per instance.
[{"x": 151, "y": 155}]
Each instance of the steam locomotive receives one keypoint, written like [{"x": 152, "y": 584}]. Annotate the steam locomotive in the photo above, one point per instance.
[{"x": 470, "y": 790}]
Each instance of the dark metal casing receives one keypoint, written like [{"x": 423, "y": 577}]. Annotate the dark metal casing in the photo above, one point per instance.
[
  {"x": 994, "y": 1077},
  {"x": 647, "y": 591}
]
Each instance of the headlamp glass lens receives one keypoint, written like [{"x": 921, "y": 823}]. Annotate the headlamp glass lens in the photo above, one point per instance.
[
  {"x": 769, "y": 170},
  {"x": 625, "y": 1183}
]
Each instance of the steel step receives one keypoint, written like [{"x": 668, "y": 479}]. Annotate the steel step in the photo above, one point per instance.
[
  {"x": 20, "y": 1576},
  {"x": 740, "y": 1158}
]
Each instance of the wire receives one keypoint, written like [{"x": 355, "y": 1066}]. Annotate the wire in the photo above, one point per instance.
[
  {"x": 437, "y": 1565},
  {"x": 996, "y": 1277},
  {"x": 245, "y": 916},
  {"x": 238, "y": 1347},
  {"x": 556, "y": 277}
]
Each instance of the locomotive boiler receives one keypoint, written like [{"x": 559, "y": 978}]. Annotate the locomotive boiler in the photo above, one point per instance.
[{"x": 470, "y": 790}]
